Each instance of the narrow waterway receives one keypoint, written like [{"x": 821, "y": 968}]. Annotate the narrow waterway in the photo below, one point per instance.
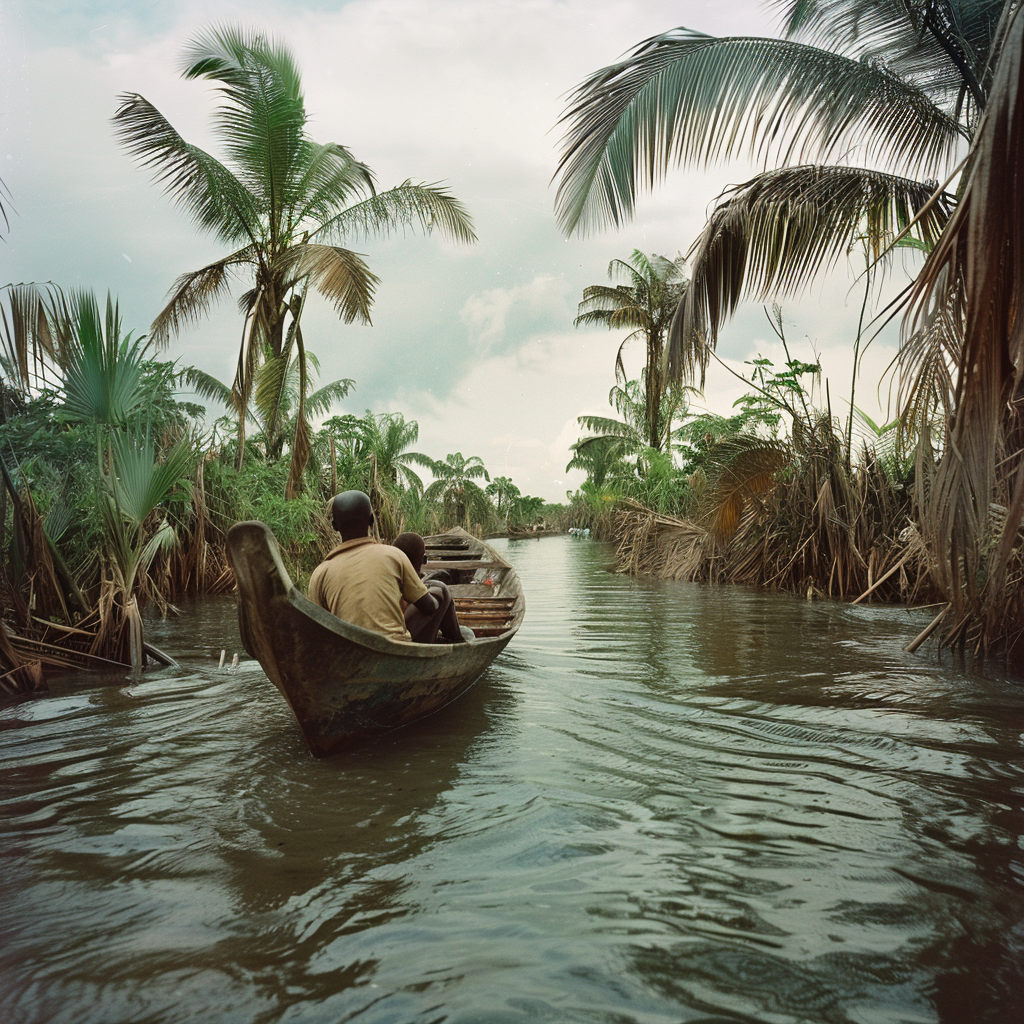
[{"x": 664, "y": 803}]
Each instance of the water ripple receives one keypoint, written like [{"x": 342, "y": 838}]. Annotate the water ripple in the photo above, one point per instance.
[{"x": 664, "y": 803}]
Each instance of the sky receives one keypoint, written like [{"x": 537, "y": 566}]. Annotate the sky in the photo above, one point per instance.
[{"x": 476, "y": 343}]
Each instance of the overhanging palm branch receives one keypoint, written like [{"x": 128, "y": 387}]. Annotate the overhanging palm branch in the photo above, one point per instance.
[
  {"x": 947, "y": 50},
  {"x": 774, "y": 233},
  {"x": 685, "y": 97}
]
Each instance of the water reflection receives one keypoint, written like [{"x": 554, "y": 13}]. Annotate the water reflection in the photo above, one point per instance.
[{"x": 665, "y": 803}]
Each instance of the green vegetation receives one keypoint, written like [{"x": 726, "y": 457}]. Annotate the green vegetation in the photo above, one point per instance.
[
  {"x": 116, "y": 493},
  {"x": 854, "y": 113}
]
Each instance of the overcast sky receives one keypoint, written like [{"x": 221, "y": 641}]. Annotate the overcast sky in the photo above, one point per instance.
[{"x": 474, "y": 342}]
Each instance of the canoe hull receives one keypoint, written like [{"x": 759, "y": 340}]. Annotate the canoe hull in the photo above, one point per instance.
[{"x": 341, "y": 681}]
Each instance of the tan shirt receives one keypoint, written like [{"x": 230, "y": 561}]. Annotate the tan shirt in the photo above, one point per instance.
[{"x": 363, "y": 582}]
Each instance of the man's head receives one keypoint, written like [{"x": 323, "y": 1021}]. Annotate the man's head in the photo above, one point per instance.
[
  {"x": 352, "y": 514},
  {"x": 414, "y": 548}
]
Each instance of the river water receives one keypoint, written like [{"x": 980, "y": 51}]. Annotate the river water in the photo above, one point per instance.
[{"x": 664, "y": 803}]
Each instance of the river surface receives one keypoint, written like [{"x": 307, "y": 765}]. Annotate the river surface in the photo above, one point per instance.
[{"x": 664, "y": 803}]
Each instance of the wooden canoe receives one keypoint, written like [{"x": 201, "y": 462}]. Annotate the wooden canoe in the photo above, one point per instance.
[{"x": 344, "y": 682}]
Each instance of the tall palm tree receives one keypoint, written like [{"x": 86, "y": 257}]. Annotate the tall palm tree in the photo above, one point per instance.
[
  {"x": 858, "y": 103},
  {"x": 280, "y": 201},
  {"x": 646, "y": 302},
  {"x": 455, "y": 484}
]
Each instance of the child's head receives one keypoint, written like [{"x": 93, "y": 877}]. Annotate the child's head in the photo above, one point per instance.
[{"x": 413, "y": 547}]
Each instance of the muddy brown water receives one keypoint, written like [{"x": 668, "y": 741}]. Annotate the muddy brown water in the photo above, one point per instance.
[{"x": 664, "y": 803}]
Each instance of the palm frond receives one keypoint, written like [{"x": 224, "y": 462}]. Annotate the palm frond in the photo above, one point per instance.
[
  {"x": 262, "y": 120},
  {"x": 103, "y": 372},
  {"x": 340, "y": 275},
  {"x": 214, "y": 197},
  {"x": 944, "y": 47},
  {"x": 206, "y": 385},
  {"x": 26, "y": 341},
  {"x": 140, "y": 481},
  {"x": 331, "y": 178},
  {"x": 773, "y": 234},
  {"x": 192, "y": 295},
  {"x": 745, "y": 471},
  {"x": 433, "y": 207},
  {"x": 683, "y": 97},
  {"x": 321, "y": 400}
]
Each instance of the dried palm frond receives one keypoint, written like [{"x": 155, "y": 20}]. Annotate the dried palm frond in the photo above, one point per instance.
[
  {"x": 979, "y": 263},
  {"x": 746, "y": 471}
]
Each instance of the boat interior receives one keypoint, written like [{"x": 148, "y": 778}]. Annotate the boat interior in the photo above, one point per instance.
[{"x": 478, "y": 583}]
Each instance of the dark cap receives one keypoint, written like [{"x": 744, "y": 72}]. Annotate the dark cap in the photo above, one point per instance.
[{"x": 351, "y": 507}]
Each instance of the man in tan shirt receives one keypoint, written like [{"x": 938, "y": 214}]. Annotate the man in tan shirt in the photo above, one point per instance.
[{"x": 363, "y": 582}]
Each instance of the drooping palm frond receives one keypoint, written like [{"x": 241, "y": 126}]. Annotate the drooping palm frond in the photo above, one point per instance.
[
  {"x": 433, "y": 207},
  {"x": 340, "y": 275},
  {"x": 745, "y": 470},
  {"x": 192, "y": 295},
  {"x": 26, "y": 341},
  {"x": 927, "y": 363},
  {"x": 685, "y": 97},
  {"x": 773, "y": 234}
]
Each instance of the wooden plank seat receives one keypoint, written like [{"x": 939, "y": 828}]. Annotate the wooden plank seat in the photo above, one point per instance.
[
  {"x": 486, "y": 616},
  {"x": 476, "y": 563}
]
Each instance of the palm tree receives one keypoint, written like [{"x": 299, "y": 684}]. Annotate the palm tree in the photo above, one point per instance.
[
  {"x": 273, "y": 398},
  {"x": 615, "y": 441},
  {"x": 853, "y": 83},
  {"x": 281, "y": 202},
  {"x": 372, "y": 453},
  {"x": 454, "y": 485},
  {"x": 505, "y": 495},
  {"x": 646, "y": 302}
]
